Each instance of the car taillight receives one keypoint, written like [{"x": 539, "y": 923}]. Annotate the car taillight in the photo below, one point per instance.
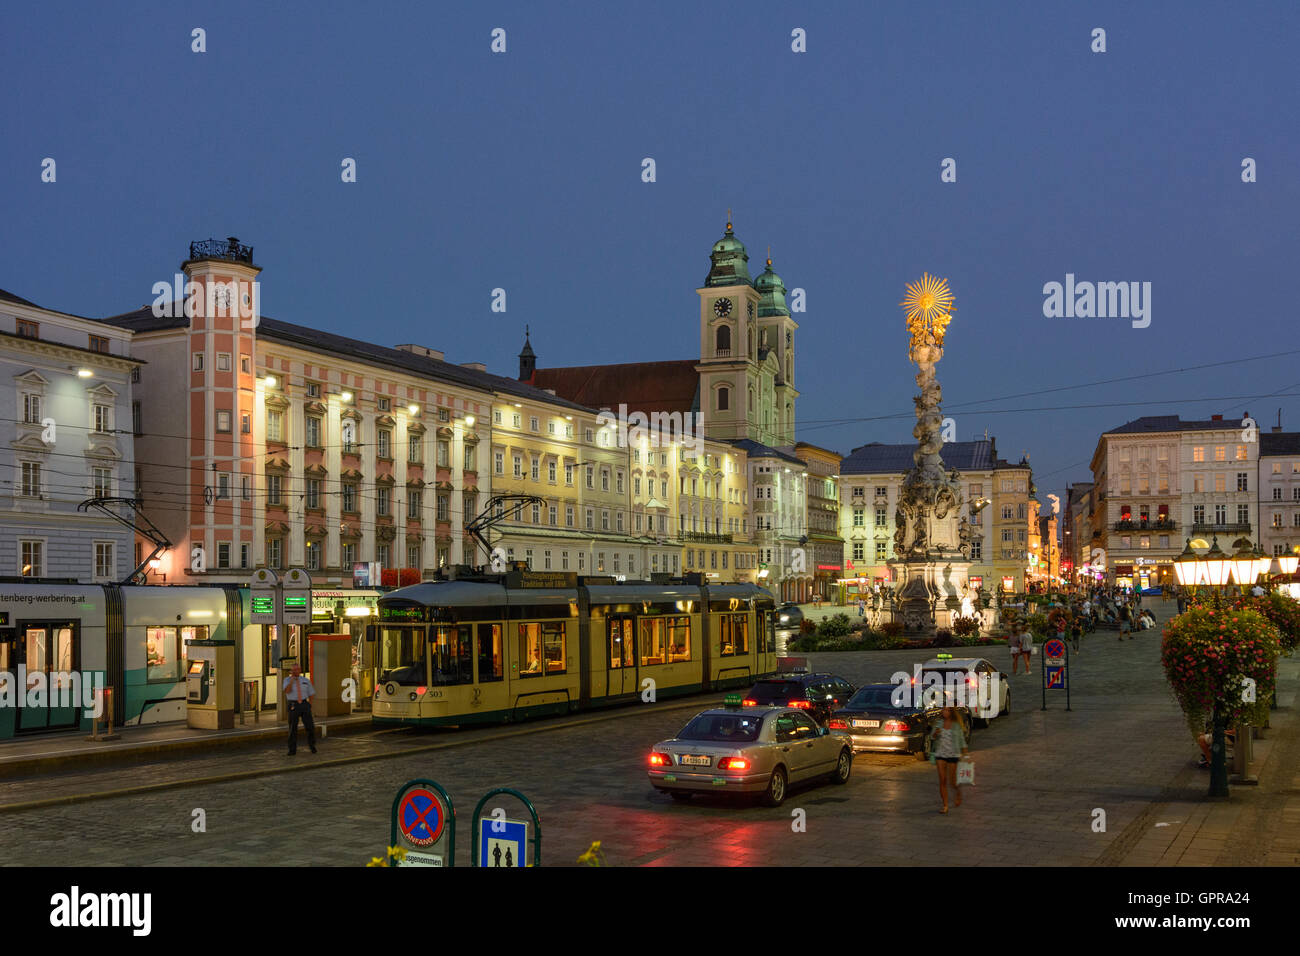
[
  {"x": 733, "y": 763},
  {"x": 895, "y": 726},
  {"x": 837, "y": 723},
  {"x": 747, "y": 702},
  {"x": 801, "y": 704},
  {"x": 660, "y": 760}
]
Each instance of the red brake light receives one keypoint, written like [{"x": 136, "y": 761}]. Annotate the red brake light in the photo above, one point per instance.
[
  {"x": 801, "y": 704},
  {"x": 837, "y": 723},
  {"x": 421, "y": 690},
  {"x": 747, "y": 702},
  {"x": 895, "y": 726},
  {"x": 660, "y": 760},
  {"x": 733, "y": 763},
  {"x": 970, "y": 681}
]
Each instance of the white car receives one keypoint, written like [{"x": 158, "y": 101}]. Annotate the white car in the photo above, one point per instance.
[{"x": 971, "y": 673}]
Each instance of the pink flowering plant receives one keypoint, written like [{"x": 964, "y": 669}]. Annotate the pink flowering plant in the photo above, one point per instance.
[
  {"x": 1209, "y": 654},
  {"x": 1284, "y": 611}
]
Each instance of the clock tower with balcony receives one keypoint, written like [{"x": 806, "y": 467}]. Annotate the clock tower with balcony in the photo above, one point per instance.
[{"x": 746, "y": 363}]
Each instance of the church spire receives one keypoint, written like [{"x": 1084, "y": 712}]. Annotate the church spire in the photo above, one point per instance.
[{"x": 527, "y": 359}]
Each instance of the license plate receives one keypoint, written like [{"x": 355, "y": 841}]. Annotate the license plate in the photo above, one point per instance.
[
  {"x": 719, "y": 781},
  {"x": 669, "y": 778},
  {"x": 691, "y": 760},
  {"x": 866, "y": 723}
]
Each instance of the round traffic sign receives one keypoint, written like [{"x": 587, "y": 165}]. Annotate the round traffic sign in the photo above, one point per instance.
[
  {"x": 1054, "y": 648},
  {"x": 420, "y": 816}
]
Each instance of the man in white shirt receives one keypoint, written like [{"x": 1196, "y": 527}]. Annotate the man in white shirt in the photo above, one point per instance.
[{"x": 298, "y": 693}]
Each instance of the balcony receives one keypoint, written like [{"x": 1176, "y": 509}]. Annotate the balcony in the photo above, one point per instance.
[
  {"x": 1238, "y": 528},
  {"x": 1141, "y": 525},
  {"x": 228, "y": 249},
  {"x": 706, "y": 537}
]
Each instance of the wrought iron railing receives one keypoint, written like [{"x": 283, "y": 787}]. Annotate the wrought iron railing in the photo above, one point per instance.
[
  {"x": 1203, "y": 528},
  {"x": 228, "y": 249}
]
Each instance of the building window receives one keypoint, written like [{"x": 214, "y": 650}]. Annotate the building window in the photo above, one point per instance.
[
  {"x": 591, "y": 478},
  {"x": 1198, "y": 453},
  {"x": 499, "y": 463},
  {"x": 881, "y": 519},
  {"x": 444, "y": 454},
  {"x": 443, "y": 507},
  {"x": 223, "y": 361},
  {"x": 382, "y": 500},
  {"x": 348, "y": 552},
  {"x": 1242, "y": 483},
  {"x": 313, "y": 492},
  {"x": 1220, "y": 452},
  {"x": 31, "y": 479},
  {"x": 384, "y": 404},
  {"x": 198, "y": 362},
  {"x": 274, "y": 553},
  {"x": 274, "y": 426},
  {"x": 103, "y": 552},
  {"x": 31, "y": 408},
  {"x": 312, "y": 432},
  {"x": 384, "y": 441},
  {"x": 103, "y": 482},
  {"x": 413, "y": 506},
  {"x": 223, "y": 487},
  {"x": 28, "y": 330},
  {"x": 470, "y": 459},
  {"x": 313, "y": 555},
  {"x": 1241, "y": 453},
  {"x": 383, "y": 555},
  {"x": 568, "y": 474},
  {"x": 553, "y": 513},
  {"x": 859, "y": 551},
  {"x": 223, "y": 421},
  {"x": 535, "y": 472},
  {"x": 1243, "y": 514},
  {"x": 413, "y": 448},
  {"x": 223, "y": 554},
  {"x": 103, "y": 416},
  {"x": 977, "y": 549},
  {"x": 591, "y": 520},
  {"x": 245, "y": 364},
  {"x": 568, "y": 516},
  {"x": 724, "y": 399},
  {"x": 519, "y": 465}
]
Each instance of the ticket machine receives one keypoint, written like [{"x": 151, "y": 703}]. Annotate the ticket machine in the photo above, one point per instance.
[{"x": 210, "y": 684}]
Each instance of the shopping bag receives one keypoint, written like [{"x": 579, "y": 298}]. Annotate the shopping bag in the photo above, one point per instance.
[{"x": 965, "y": 773}]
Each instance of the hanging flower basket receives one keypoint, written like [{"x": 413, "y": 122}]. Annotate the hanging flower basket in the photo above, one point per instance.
[{"x": 1208, "y": 656}]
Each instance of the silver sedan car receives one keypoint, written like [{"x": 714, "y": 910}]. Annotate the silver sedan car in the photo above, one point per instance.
[{"x": 756, "y": 750}]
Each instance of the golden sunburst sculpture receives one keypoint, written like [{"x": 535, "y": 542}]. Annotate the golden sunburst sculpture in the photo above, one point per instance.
[{"x": 929, "y": 310}]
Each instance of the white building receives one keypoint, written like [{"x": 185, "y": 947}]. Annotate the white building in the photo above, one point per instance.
[
  {"x": 1162, "y": 480},
  {"x": 1279, "y": 492},
  {"x": 66, "y": 413},
  {"x": 870, "y": 479}
]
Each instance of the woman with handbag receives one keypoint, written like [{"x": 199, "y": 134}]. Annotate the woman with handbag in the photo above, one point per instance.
[{"x": 947, "y": 746}]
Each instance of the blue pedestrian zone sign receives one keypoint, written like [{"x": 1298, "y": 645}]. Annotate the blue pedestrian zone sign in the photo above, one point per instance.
[{"x": 502, "y": 842}]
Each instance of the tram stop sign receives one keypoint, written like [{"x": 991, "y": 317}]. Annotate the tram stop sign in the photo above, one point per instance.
[{"x": 502, "y": 842}]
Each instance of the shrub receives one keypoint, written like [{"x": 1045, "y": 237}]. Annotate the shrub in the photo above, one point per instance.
[
  {"x": 965, "y": 626},
  {"x": 1206, "y": 656},
  {"x": 1037, "y": 623},
  {"x": 1283, "y": 612},
  {"x": 838, "y": 625},
  {"x": 892, "y": 628},
  {"x": 807, "y": 627},
  {"x": 943, "y": 638}
]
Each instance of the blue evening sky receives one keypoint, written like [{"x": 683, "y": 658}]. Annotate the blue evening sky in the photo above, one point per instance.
[{"x": 523, "y": 171}]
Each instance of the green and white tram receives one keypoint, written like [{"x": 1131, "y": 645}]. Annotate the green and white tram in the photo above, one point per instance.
[{"x": 505, "y": 647}]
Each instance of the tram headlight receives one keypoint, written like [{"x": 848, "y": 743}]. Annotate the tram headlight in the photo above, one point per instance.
[
  {"x": 390, "y": 689},
  {"x": 414, "y": 695}
]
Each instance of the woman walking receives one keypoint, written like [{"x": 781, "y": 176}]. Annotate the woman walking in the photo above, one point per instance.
[
  {"x": 1026, "y": 646},
  {"x": 947, "y": 747},
  {"x": 1013, "y": 644}
]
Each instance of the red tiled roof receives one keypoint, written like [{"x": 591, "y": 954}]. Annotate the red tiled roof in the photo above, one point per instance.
[{"x": 643, "y": 386}]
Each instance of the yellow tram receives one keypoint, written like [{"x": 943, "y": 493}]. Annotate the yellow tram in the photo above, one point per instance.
[{"x": 491, "y": 648}]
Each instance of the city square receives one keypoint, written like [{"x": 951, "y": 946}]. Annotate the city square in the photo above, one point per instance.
[{"x": 667, "y": 456}]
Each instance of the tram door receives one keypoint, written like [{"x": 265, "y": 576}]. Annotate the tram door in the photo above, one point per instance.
[
  {"x": 48, "y": 652},
  {"x": 621, "y": 645}
]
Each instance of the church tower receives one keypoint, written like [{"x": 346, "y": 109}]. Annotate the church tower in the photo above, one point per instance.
[{"x": 746, "y": 363}]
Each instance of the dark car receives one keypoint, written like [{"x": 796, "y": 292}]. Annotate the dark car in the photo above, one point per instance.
[
  {"x": 815, "y": 694},
  {"x": 788, "y": 615},
  {"x": 871, "y": 721}
]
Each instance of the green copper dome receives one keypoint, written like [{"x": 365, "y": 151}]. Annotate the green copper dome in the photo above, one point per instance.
[
  {"x": 730, "y": 262},
  {"x": 771, "y": 293}
]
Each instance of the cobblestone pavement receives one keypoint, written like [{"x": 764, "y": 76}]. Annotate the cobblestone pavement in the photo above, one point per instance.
[{"x": 1041, "y": 775}]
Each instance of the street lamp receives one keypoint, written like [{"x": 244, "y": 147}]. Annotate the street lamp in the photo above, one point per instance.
[
  {"x": 1217, "y": 565},
  {"x": 1244, "y": 563}
]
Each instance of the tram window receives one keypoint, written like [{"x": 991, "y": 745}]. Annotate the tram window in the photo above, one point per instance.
[
  {"x": 622, "y": 642},
  {"x": 541, "y": 649},
  {"x": 36, "y": 648},
  {"x": 665, "y": 640},
  {"x": 402, "y": 649},
  {"x": 735, "y": 634},
  {"x": 489, "y": 652},
  {"x": 452, "y": 656},
  {"x": 165, "y": 651}
]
